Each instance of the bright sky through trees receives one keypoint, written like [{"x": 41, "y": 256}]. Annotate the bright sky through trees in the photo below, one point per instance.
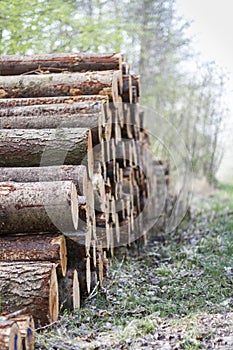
[{"x": 212, "y": 29}]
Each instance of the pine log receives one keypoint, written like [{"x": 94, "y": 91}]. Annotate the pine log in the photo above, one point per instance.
[
  {"x": 27, "y": 330},
  {"x": 75, "y": 115},
  {"x": 35, "y": 248},
  {"x": 55, "y": 109},
  {"x": 68, "y": 84},
  {"x": 69, "y": 290},
  {"x": 10, "y": 338},
  {"x": 59, "y": 62},
  {"x": 75, "y": 173},
  {"x": 31, "y": 101},
  {"x": 46, "y": 147},
  {"x": 38, "y": 207},
  {"x": 32, "y": 285}
]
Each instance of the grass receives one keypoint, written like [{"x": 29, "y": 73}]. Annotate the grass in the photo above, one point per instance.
[{"x": 176, "y": 294}]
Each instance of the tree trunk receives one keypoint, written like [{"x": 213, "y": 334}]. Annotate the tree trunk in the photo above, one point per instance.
[
  {"x": 38, "y": 207},
  {"x": 32, "y": 285},
  {"x": 69, "y": 290},
  {"x": 31, "y": 101},
  {"x": 46, "y": 147},
  {"x": 107, "y": 83},
  {"x": 60, "y": 62},
  {"x": 75, "y": 115},
  {"x": 77, "y": 174},
  {"x": 10, "y": 338},
  {"x": 35, "y": 248}
]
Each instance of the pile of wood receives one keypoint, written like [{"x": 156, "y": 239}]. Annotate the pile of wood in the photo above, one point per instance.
[{"x": 76, "y": 176}]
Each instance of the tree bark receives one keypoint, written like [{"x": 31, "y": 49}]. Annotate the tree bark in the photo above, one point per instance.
[
  {"x": 35, "y": 248},
  {"x": 59, "y": 62},
  {"x": 69, "y": 290},
  {"x": 46, "y": 147},
  {"x": 32, "y": 101},
  {"x": 62, "y": 115},
  {"x": 10, "y": 338},
  {"x": 106, "y": 83},
  {"x": 32, "y": 285},
  {"x": 77, "y": 174},
  {"x": 38, "y": 207}
]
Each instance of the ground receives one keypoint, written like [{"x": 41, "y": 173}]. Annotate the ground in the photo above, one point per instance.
[{"x": 176, "y": 293}]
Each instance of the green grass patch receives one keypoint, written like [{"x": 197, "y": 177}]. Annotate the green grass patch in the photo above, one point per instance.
[{"x": 171, "y": 292}]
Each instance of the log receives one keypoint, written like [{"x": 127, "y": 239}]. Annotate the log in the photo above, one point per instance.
[
  {"x": 69, "y": 291},
  {"x": 35, "y": 248},
  {"x": 38, "y": 207},
  {"x": 79, "y": 259},
  {"x": 31, "y": 101},
  {"x": 10, "y": 338},
  {"x": 27, "y": 330},
  {"x": 84, "y": 232},
  {"x": 46, "y": 147},
  {"x": 32, "y": 285},
  {"x": 75, "y": 173},
  {"x": 75, "y": 115},
  {"x": 59, "y": 62},
  {"x": 106, "y": 83}
]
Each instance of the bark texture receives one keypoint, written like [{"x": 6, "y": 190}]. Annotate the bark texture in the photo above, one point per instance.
[
  {"x": 59, "y": 62},
  {"x": 32, "y": 286},
  {"x": 38, "y": 207},
  {"x": 77, "y": 174},
  {"x": 35, "y": 248},
  {"x": 45, "y": 147}
]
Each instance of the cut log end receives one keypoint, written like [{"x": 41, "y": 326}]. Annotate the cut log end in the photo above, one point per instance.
[
  {"x": 76, "y": 291},
  {"x": 27, "y": 330},
  {"x": 53, "y": 297},
  {"x": 10, "y": 338},
  {"x": 74, "y": 206}
]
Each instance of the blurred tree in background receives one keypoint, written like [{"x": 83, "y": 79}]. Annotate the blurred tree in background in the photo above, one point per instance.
[{"x": 174, "y": 82}]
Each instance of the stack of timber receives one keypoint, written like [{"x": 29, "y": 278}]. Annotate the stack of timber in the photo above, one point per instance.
[{"x": 76, "y": 176}]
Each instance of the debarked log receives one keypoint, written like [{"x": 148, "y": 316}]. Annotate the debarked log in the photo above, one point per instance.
[
  {"x": 45, "y": 147},
  {"x": 35, "y": 248},
  {"x": 31, "y": 285},
  {"x": 38, "y": 207},
  {"x": 59, "y": 62},
  {"x": 75, "y": 173}
]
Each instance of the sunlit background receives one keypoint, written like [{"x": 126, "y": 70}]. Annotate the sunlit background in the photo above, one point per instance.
[{"x": 212, "y": 29}]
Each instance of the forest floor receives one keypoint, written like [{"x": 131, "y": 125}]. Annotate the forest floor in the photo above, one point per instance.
[{"x": 176, "y": 294}]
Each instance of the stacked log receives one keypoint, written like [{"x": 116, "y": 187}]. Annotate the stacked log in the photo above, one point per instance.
[
  {"x": 76, "y": 176},
  {"x": 17, "y": 331}
]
